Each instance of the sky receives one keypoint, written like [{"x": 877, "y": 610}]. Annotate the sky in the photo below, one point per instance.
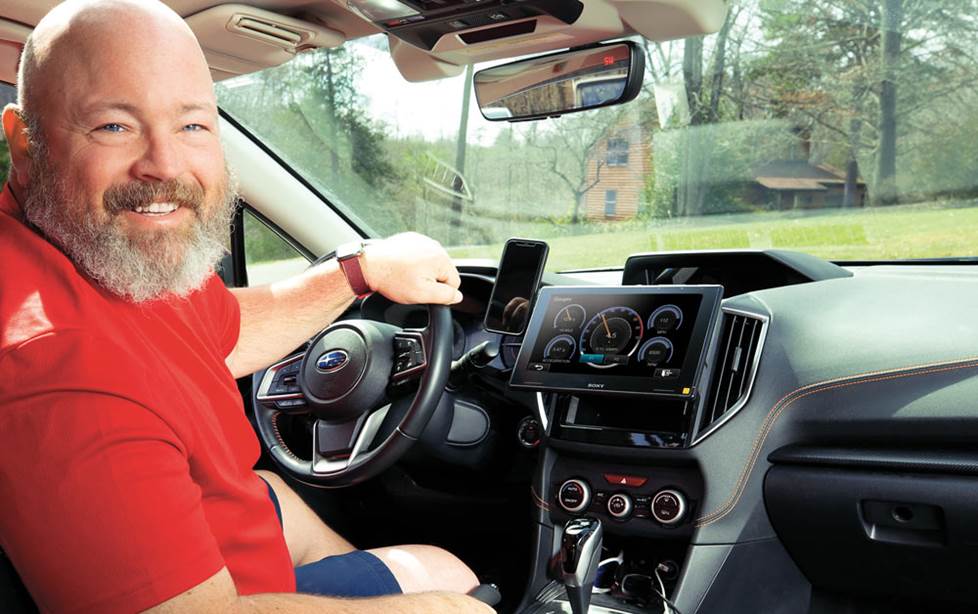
[{"x": 429, "y": 109}]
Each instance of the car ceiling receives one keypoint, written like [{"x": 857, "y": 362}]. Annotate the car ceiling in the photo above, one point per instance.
[{"x": 231, "y": 53}]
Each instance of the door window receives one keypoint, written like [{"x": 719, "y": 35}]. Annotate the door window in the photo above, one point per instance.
[{"x": 268, "y": 256}]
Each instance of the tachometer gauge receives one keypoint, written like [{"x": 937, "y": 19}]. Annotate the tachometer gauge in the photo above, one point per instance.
[
  {"x": 560, "y": 347},
  {"x": 569, "y": 319},
  {"x": 610, "y": 337}
]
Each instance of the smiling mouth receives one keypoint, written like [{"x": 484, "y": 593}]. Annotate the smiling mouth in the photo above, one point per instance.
[{"x": 156, "y": 209}]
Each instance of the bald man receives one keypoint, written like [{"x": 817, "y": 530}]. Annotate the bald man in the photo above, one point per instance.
[{"x": 126, "y": 460}]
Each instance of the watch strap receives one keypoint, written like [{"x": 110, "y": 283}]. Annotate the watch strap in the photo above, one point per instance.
[{"x": 349, "y": 263}]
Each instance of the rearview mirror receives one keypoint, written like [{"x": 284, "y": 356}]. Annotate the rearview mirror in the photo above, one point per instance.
[{"x": 564, "y": 82}]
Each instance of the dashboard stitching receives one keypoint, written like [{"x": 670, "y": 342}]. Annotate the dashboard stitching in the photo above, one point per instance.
[
  {"x": 538, "y": 500},
  {"x": 800, "y": 393}
]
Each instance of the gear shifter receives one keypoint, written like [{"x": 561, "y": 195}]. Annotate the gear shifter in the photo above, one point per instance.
[{"x": 580, "y": 549}]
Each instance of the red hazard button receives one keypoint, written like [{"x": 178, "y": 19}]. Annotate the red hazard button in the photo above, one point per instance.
[{"x": 633, "y": 481}]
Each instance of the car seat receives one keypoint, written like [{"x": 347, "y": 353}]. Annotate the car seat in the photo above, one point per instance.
[{"x": 14, "y": 598}]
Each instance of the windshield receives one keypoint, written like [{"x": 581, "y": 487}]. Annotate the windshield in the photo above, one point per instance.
[{"x": 848, "y": 130}]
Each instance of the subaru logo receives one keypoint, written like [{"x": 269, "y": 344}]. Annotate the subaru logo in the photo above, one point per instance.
[{"x": 333, "y": 360}]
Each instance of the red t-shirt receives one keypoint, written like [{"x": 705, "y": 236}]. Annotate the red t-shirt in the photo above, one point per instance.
[{"x": 125, "y": 454}]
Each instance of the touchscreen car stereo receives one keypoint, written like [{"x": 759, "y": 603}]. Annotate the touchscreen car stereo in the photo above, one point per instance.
[{"x": 636, "y": 339}]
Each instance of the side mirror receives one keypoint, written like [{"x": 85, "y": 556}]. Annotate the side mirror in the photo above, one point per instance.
[{"x": 564, "y": 82}]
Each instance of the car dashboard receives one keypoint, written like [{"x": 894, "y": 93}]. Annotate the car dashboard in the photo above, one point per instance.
[{"x": 827, "y": 451}]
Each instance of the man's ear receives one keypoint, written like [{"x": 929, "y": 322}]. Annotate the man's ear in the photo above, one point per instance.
[{"x": 15, "y": 130}]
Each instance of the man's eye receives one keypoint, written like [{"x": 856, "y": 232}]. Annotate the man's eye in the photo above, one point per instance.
[
  {"x": 111, "y": 128},
  {"x": 194, "y": 127}
]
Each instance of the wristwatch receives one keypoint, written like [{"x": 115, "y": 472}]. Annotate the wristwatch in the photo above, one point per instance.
[{"x": 348, "y": 257}]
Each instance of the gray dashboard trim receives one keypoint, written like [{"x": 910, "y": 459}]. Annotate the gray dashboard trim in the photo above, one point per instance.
[{"x": 790, "y": 398}]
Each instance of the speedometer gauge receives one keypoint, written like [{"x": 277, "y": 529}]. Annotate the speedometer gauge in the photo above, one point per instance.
[{"x": 611, "y": 336}]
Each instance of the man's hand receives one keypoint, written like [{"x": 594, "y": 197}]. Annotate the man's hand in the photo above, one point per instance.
[
  {"x": 406, "y": 268},
  {"x": 410, "y": 268}
]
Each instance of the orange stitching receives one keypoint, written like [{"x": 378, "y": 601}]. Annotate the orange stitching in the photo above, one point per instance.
[
  {"x": 775, "y": 413},
  {"x": 759, "y": 439},
  {"x": 278, "y": 436},
  {"x": 540, "y": 503}
]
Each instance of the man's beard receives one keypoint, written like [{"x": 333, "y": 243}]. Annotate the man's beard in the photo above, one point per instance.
[{"x": 137, "y": 265}]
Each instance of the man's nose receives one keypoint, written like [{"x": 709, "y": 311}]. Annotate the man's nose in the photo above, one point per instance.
[{"x": 161, "y": 158}]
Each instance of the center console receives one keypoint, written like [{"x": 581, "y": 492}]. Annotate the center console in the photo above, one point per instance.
[{"x": 620, "y": 375}]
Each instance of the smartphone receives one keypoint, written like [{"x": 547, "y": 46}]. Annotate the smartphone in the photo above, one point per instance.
[{"x": 519, "y": 273}]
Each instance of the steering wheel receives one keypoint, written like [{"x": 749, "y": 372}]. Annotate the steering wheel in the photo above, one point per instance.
[{"x": 347, "y": 378}]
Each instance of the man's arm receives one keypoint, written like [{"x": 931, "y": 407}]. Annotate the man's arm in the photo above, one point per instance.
[
  {"x": 218, "y": 595},
  {"x": 277, "y": 318}
]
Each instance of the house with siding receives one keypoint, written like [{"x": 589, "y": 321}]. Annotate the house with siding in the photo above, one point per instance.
[
  {"x": 800, "y": 184},
  {"x": 618, "y": 170}
]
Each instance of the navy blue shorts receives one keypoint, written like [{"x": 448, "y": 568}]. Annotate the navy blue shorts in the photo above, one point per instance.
[{"x": 355, "y": 574}]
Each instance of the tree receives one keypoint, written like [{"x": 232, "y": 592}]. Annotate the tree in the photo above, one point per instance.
[
  {"x": 891, "y": 25},
  {"x": 702, "y": 66},
  {"x": 570, "y": 150},
  {"x": 856, "y": 73}
]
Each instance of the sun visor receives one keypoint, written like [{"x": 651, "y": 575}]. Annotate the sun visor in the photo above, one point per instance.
[
  {"x": 239, "y": 39},
  {"x": 672, "y": 19}
]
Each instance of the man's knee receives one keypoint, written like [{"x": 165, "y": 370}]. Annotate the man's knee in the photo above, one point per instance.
[{"x": 419, "y": 568}]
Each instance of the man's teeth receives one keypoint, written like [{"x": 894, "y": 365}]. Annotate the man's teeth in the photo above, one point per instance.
[{"x": 157, "y": 208}]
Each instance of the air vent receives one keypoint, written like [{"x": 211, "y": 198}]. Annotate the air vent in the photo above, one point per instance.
[{"x": 740, "y": 342}]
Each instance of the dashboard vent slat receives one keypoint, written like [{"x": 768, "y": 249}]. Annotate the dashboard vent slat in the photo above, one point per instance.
[
  {"x": 754, "y": 334},
  {"x": 726, "y": 357},
  {"x": 741, "y": 338}
]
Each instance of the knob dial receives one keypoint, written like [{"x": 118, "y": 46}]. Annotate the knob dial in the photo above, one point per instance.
[
  {"x": 528, "y": 432},
  {"x": 574, "y": 495},
  {"x": 669, "y": 506},
  {"x": 620, "y": 505}
]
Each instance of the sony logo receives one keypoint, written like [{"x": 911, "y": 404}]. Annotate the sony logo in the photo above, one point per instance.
[{"x": 595, "y": 385}]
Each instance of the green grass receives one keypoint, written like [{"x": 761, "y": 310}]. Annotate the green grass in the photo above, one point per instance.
[
  {"x": 720, "y": 238},
  {"x": 910, "y": 231}
]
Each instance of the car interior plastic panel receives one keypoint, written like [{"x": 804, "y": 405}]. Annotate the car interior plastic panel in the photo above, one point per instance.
[
  {"x": 903, "y": 534},
  {"x": 12, "y": 37},
  {"x": 739, "y": 271},
  {"x": 450, "y": 34},
  {"x": 842, "y": 367}
]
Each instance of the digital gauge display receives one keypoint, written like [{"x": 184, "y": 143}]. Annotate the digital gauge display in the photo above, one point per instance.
[
  {"x": 636, "y": 339},
  {"x": 614, "y": 331}
]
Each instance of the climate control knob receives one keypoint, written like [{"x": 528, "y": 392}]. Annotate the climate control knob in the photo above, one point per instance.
[
  {"x": 574, "y": 495},
  {"x": 668, "y": 506},
  {"x": 619, "y": 505}
]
